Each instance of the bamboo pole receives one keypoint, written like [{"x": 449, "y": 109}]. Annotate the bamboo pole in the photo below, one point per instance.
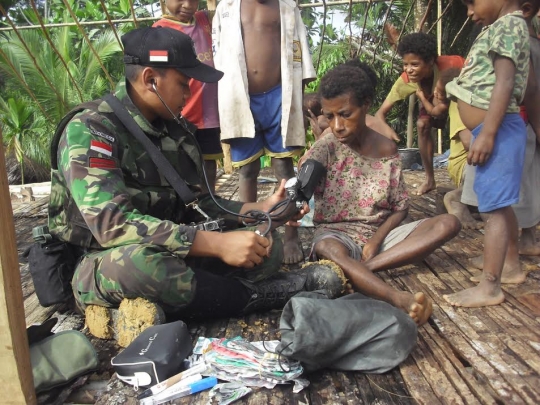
[
  {"x": 16, "y": 378},
  {"x": 70, "y": 10},
  {"x": 111, "y": 23},
  {"x": 439, "y": 49},
  {"x": 383, "y": 25},
  {"x": 133, "y": 14},
  {"x": 51, "y": 43},
  {"x": 140, "y": 19},
  {"x": 83, "y": 23},
  {"x": 410, "y": 121},
  {"x": 322, "y": 36},
  {"x": 366, "y": 14}
]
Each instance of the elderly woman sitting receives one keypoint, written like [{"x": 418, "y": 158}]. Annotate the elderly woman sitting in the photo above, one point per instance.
[{"x": 361, "y": 203}]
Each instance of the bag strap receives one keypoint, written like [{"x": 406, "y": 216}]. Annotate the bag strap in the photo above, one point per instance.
[{"x": 163, "y": 165}]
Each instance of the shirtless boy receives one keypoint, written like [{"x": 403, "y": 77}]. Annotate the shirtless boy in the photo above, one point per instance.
[
  {"x": 260, "y": 96},
  {"x": 488, "y": 91}
]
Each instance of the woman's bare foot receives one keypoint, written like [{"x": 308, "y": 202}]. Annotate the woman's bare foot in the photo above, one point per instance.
[
  {"x": 527, "y": 242},
  {"x": 292, "y": 252},
  {"x": 510, "y": 275},
  {"x": 454, "y": 206},
  {"x": 482, "y": 295},
  {"x": 426, "y": 187},
  {"x": 418, "y": 306}
]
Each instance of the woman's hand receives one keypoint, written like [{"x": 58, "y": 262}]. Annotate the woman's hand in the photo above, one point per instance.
[{"x": 370, "y": 249}]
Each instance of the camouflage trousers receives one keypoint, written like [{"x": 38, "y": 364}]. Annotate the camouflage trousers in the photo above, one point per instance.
[{"x": 143, "y": 270}]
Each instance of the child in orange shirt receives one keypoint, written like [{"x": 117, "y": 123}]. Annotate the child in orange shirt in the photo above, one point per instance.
[{"x": 201, "y": 108}]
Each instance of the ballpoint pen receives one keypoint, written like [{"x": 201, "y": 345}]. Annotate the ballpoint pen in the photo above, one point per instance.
[
  {"x": 156, "y": 389},
  {"x": 172, "y": 393}
]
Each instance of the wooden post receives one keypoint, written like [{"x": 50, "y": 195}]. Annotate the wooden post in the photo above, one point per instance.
[
  {"x": 227, "y": 162},
  {"x": 410, "y": 121},
  {"x": 16, "y": 377},
  {"x": 439, "y": 48}
]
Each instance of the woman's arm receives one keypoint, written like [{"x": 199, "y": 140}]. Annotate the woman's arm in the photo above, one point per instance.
[
  {"x": 371, "y": 248},
  {"x": 380, "y": 115}
]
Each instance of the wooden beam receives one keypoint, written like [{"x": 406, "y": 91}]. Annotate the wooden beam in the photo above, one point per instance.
[
  {"x": 439, "y": 49},
  {"x": 16, "y": 377},
  {"x": 410, "y": 121}
]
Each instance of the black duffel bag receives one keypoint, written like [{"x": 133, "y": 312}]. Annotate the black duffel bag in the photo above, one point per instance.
[{"x": 52, "y": 263}]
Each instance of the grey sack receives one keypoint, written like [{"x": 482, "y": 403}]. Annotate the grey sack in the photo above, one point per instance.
[{"x": 353, "y": 332}]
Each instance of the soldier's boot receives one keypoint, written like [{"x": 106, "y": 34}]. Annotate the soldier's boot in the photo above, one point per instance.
[
  {"x": 274, "y": 292},
  {"x": 124, "y": 323}
]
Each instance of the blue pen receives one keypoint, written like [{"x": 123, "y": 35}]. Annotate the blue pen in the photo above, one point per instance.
[{"x": 191, "y": 389}]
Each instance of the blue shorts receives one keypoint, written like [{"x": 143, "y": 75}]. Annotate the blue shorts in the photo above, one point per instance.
[
  {"x": 266, "y": 110},
  {"x": 497, "y": 183},
  {"x": 209, "y": 141}
]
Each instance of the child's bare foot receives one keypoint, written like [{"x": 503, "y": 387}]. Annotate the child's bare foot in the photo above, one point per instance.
[
  {"x": 532, "y": 250},
  {"x": 480, "y": 296},
  {"x": 510, "y": 275},
  {"x": 418, "y": 306},
  {"x": 292, "y": 252},
  {"x": 477, "y": 262},
  {"x": 426, "y": 187},
  {"x": 527, "y": 242},
  {"x": 454, "y": 206}
]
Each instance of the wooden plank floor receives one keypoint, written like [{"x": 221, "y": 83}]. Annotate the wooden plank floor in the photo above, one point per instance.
[{"x": 464, "y": 356}]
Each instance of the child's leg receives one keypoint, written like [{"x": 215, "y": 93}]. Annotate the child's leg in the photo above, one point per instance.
[
  {"x": 512, "y": 272},
  {"x": 270, "y": 118},
  {"x": 527, "y": 242},
  {"x": 247, "y": 184},
  {"x": 425, "y": 144},
  {"x": 292, "y": 253},
  {"x": 454, "y": 206},
  {"x": 500, "y": 227}
]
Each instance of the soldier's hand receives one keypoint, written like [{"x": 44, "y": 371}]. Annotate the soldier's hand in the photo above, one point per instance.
[{"x": 243, "y": 249}]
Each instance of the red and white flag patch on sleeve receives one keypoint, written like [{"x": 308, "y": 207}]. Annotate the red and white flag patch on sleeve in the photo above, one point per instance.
[
  {"x": 158, "y": 56},
  {"x": 102, "y": 163},
  {"x": 101, "y": 147}
]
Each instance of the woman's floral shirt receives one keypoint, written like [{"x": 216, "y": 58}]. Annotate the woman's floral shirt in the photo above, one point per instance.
[{"x": 358, "y": 193}]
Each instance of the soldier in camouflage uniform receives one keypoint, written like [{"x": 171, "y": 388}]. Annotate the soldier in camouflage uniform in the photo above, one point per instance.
[
  {"x": 109, "y": 198},
  {"x": 489, "y": 90}
]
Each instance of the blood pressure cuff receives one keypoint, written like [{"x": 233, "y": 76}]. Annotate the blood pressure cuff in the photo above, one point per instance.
[{"x": 60, "y": 358}]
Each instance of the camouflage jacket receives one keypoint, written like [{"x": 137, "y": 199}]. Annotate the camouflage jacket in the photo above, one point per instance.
[
  {"x": 107, "y": 192},
  {"x": 507, "y": 37}
]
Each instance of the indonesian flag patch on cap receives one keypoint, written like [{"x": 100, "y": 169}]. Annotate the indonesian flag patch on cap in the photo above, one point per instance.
[
  {"x": 101, "y": 147},
  {"x": 158, "y": 56}
]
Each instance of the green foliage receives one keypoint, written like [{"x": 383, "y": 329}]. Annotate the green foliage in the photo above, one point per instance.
[
  {"x": 372, "y": 45},
  {"x": 24, "y": 132},
  {"x": 41, "y": 70}
]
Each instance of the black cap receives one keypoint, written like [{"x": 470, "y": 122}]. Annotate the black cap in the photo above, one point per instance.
[{"x": 163, "y": 47}]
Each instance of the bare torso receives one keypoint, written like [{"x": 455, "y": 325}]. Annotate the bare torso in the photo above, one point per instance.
[
  {"x": 471, "y": 116},
  {"x": 261, "y": 33}
]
